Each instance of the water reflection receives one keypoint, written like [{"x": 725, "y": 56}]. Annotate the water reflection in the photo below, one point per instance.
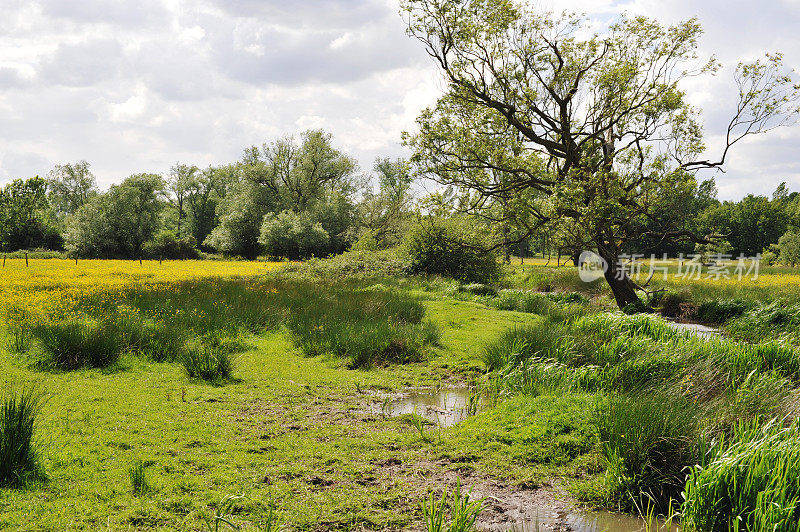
[{"x": 445, "y": 407}]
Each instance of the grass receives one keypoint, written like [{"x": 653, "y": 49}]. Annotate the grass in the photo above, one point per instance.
[
  {"x": 749, "y": 483},
  {"x": 452, "y": 512},
  {"x": 20, "y": 460},
  {"x": 563, "y": 386},
  {"x": 213, "y": 365},
  {"x": 137, "y": 473}
]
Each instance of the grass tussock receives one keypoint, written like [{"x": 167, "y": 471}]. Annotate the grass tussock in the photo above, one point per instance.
[
  {"x": 452, "y": 512},
  {"x": 137, "y": 473},
  {"x": 19, "y": 457},
  {"x": 77, "y": 343},
  {"x": 364, "y": 323}
]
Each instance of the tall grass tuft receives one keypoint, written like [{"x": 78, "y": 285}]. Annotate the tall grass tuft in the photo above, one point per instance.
[
  {"x": 366, "y": 326},
  {"x": 19, "y": 460},
  {"x": 137, "y": 473},
  {"x": 208, "y": 363},
  {"x": 77, "y": 343},
  {"x": 749, "y": 483},
  {"x": 463, "y": 513},
  {"x": 647, "y": 441}
]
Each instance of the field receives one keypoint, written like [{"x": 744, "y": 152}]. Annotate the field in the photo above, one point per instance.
[{"x": 177, "y": 395}]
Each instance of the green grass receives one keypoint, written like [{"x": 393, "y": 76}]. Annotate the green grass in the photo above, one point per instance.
[
  {"x": 20, "y": 460},
  {"x": 137, "y": 473},
  {"x": 452, "y": 512},
  {"x": 611, "y": 407},
  {"x": 290, "y": 429},
  {"x": 749, "y": 483}
]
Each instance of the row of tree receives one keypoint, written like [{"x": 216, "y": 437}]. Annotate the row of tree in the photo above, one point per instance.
[{"x": 294, "y": 198}]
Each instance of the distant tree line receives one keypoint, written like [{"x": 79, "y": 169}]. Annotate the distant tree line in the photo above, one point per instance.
[
  {"x": 755, "y": 224},
  {"x": 296, "y": 197}
]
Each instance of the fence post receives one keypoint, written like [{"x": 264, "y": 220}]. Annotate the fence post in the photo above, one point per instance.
[{"x": 26, "y": 259}]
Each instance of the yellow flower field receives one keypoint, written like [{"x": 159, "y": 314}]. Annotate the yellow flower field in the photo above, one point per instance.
[{"x": 50, "y": 285}]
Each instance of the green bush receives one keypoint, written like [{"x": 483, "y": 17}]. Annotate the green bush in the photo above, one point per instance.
[
  {"x": 452, "y": 248},
  {"x": 166, "y": 246},
  {"x": 19, "y": 460},
  {"x": 293, "y": 236},
  {"x": 359, "y": 264}
]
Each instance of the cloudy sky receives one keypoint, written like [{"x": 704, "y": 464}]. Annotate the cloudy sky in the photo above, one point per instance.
[{"x": 137, "y": 85}]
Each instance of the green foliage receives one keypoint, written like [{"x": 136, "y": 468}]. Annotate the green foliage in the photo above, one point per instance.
[
  {"x": 452, "y": 248},
  {"x": 293, "y": 236},
  {"x": 19, "y": 458},
  {"x": 26, "y": 219},
  {"x": 357, "y": 264},
  {"x": 119, "y": 223},
  {"x": 747, "y": 483},
  {"x": 462, "y": 512},
  {"x": 647, "y": 440},
  {"x": 789, "y": 246},
  {"x": 70, "y": 186},
  {"x": 309, "y": 179},
  {"x": 166, "y": 246}
]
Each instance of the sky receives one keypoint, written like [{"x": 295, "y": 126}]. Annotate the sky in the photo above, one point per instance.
[{"x": 138, "y": 85}]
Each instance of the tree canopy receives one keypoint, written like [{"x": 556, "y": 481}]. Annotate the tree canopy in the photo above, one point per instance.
[{"x": 595, "y": 125}]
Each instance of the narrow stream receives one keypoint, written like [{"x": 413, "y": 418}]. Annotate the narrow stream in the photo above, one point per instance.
[
  {"x": 699, "y": 330},
  {"x": 448, "y": 406}
]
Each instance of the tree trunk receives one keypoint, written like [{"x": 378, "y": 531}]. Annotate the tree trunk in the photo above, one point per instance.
[{"x": 622, "y": 286}]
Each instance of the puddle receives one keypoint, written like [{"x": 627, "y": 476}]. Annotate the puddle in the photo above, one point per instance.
[
  {"x": 587, "y": 522},
  {"x": 445, "y": 407},
  {"x": 701, "y": 331}
]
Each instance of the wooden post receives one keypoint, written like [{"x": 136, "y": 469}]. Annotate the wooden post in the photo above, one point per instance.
[
  {"x": 76, "y": 260},
  {"x": 4, "y": 260},
  {"x": 26, "y": 259}
]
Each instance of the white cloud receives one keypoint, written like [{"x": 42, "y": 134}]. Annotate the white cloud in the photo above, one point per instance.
[{"x": 135, "y": 86}]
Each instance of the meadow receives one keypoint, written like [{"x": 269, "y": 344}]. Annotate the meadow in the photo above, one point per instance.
[{"x": 189, "y": 395}]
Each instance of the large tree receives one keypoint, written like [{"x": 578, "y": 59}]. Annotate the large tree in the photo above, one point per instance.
[
  {"x": 71, "y": 185},
  {"x": 119, "y": 223},
  {"x": 26, "y": 219},
  {"x": 595, "y": 124},
  {"x": 305, "y": 175}
]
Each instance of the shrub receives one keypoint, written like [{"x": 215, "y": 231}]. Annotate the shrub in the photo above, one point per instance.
[
  {"x": 357, "y": 264},
  {"x": 77, "y": 343},
  {"x": 19, "y": 460},
  {"x": 750, "y": 483},
  {"x": 166, "y": 246},
  {"x": 452, "y": 249}
]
